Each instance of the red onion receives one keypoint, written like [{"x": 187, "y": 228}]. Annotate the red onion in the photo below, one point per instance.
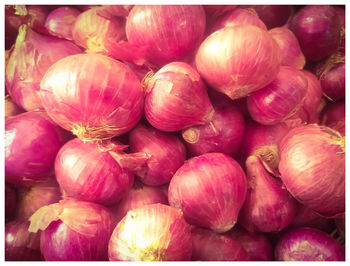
[
  {"x": 280, "y": 99},
  {"x": 92, "y": 95},
  {"x": 166, "y": 154},
  {"x": 209, "y": 246},
  {"x": 73, "y": 230},
  {"x": 308, "y": 244},
  {"x": 274, "y": 15},
  {"x": 333, "y": 82},
  {"x": 30, "y": 157},
  {"x": 118, "y": 10},
  {"x": 223, "y": 134},
  {"x": 153, "y": 232},
  {"x": 334, "y": 116},
  {"x": 238, "y": 60},
  {"x": 210, "y": 190},
  {"x": 268, "y": 206},
  {"x": 314, "y": 177},
  {"x": 10, "y": 202},
  {"x": 20, "y": 244},
  {"x": 177, "y": 98},
  {"x": 290, "y": 48},
  {"x": 217, "y": 10},
  {"x": 340, "y": 224},
  {"x": 60, "y": 22},
  {"x": 36, "y": 16},
  {"x": 11, "y": 108},
  {"x": 317, "y": 28},
  {"x": 86, "y": 171},
  {"x": 12, "y": 22},
  {"x": 166, "y": 32}
]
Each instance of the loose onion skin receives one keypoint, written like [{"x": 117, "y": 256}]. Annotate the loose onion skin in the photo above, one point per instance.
[
  {"x": 153, "y": 232},
  {"x": 274, "y": 15},
  {"x": 308, "y": 244},
  {"x": 177, "y": 98},
  {"x": 314, "y": 177},
  {"x": 230, "y": 61},
  {"x": 210, "y": 190},
  {"x": 209, "y": 246},
  {"x": 10, "y": 202},
  {"x": 93, "y": 96},
  {"x": 333, "y": 116}
]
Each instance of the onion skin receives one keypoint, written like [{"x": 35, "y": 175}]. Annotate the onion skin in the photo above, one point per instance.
[
  {"x": 30, "y": 158},
  {"x": 167, "y": 153},
  {"x": 11, "y": 108},
  {"x": 274, "y": 15},
  {"x": 10, "y": 202},
  {"x": 210, "y": 190},
  {"x": 230, "y": 61},
  {"x": 308, "y": 244},
  {"x": 314, "y": 177},
  {"x": 209, "y": 246},
  {"x": 88, "y": 172},
  {"x": 153, "y": 232},
  {"x": 177, "y": 98},
  {"x": 104, "y": 103},
  {"x": 333, "y": 116},
  {"x": 333, "y": 82}
]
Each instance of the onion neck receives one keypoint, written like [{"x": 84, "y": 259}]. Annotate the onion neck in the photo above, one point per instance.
[
  {"x": 269, "y": 154},
  {"x": 146, "y": 80},
  {"x": 191, "y": 135}
]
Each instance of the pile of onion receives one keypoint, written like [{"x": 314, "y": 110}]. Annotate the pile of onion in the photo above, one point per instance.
[
  {"x": 274, "y": 15},
  {"x": 333, "y": 116}
]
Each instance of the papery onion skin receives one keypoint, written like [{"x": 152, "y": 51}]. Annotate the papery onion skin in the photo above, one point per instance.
[
  {"x": 230, "y": 61},
  {"x": 308, "y": 244},
  {"x": 314, "y": 177},
  {"x": 30, "y": 158},
  {"x": 10, "y": 202},
  {"x": 274, "y": 15},
  {"x": 33, "y": 54},
  {"x": 210, "y": 190},
  {"x": 333, "y": 82},
  {"x": 209, "y": 246},
  {"x": 153, "y": 232},
  {"x": 87, "y": 172},
  {"x": 167, "y": 32},
  {"x": 280, "y": 99},
  {"x": 177, "y": 98},
  {"x": 92, "y": 95},
  {"x": 11, "y": 108},
  {"x": 333, "y": 116},
  {"x": 167, "y": 153}
]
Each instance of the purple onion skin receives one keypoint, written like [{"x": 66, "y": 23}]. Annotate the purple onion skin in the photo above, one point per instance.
[
  {"x": 333, "y": 82},
  {"x": 308, "y": 244},
  {"x": 223, "y": 134},
  {"x": 333, "y": 116},
  {"x": 317, "y": 28},
  {"x": 32, "y": 142},
  {"x": 10, "y": 202},
  {"x": 274, "y": 15},
  {"x": 167, "y": 153},
  {"x": 210, "y": 190}
]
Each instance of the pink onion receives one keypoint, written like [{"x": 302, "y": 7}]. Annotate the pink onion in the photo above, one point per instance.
[
  {"x": 317, "y": 28},
  {"x": 210, "y": 190},
  {"x": 274, "y": 15},
  {"x": 308, "y": 244},
  {"x": 33, "y": 54},
  {"x": 280, "y": 99},
  {"x": 166, "y": 154},
  {"x": 290, "y": 48},
  {"x": 222, "y": 134},
  {"x": 92, "y": 95},
  {"x": 60, "y": 22},
  {"x": 153, "y": 232},
  {"x": 238, "y": 60},
  {"x": 118, "y": 10},
  {"x": 312, "y": 167},
  {"x": 32, "y": 141},
  {"x": 166, "y": 32},
  {"x": 177, "y": 98},
  {"x": 86, "y": 171},
  {"x": 333, "y": 116},
  {"x": 10, "y": 202},
  {"x": 73, "y": 230},
  {"x": 11, "y": 108},
  {"x": 209, "y": 246},
  {"x": 268, "y": 206}
]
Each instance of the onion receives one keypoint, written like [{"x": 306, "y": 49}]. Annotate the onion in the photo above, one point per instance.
[
  {"x": 238, "y": 60},
  {"x": 86, "y": 171},
  {"x": 92, "y": 95},
  {"x": 290, "y": 48},
  {"x": 308, "y": 244},
  {"x": 33, "y": 54},
  {"x": 30, "y": 157},
  {"x": 340, "y": 224},
  {"x": 334, "y": 116},
  {"x": 73, "y": 230},
  {"x": 223, "y": 134},
  {"x": 268, "y": 206},
  {"x": 314, "y": 177},
  {"x": 60, "y": 22},
  {"x": 210, "y": 190},
  {"x": 11, "y": 108},
  {"x": 10, "y": 202},
  {"x": 317, "y": 28},
  {"x": 118, "y": 10},
  {"x": 36, "y": 16},
  {"x": 333, "y": 82},
  {"x": 217, "y": 10},
  {"x": 166, "y": 154},
  {"x": 274, "y": 15},
  {"x": 177, "y": 98},
  {"x": 209, "y": 246},
  {"x": 12, "y": 23},
  {"x": 280, "y": 99},
  {"x": 20, "y": 244},
  {"x": 153, "y": 232},
  {"x": 166, "y": 32}
]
